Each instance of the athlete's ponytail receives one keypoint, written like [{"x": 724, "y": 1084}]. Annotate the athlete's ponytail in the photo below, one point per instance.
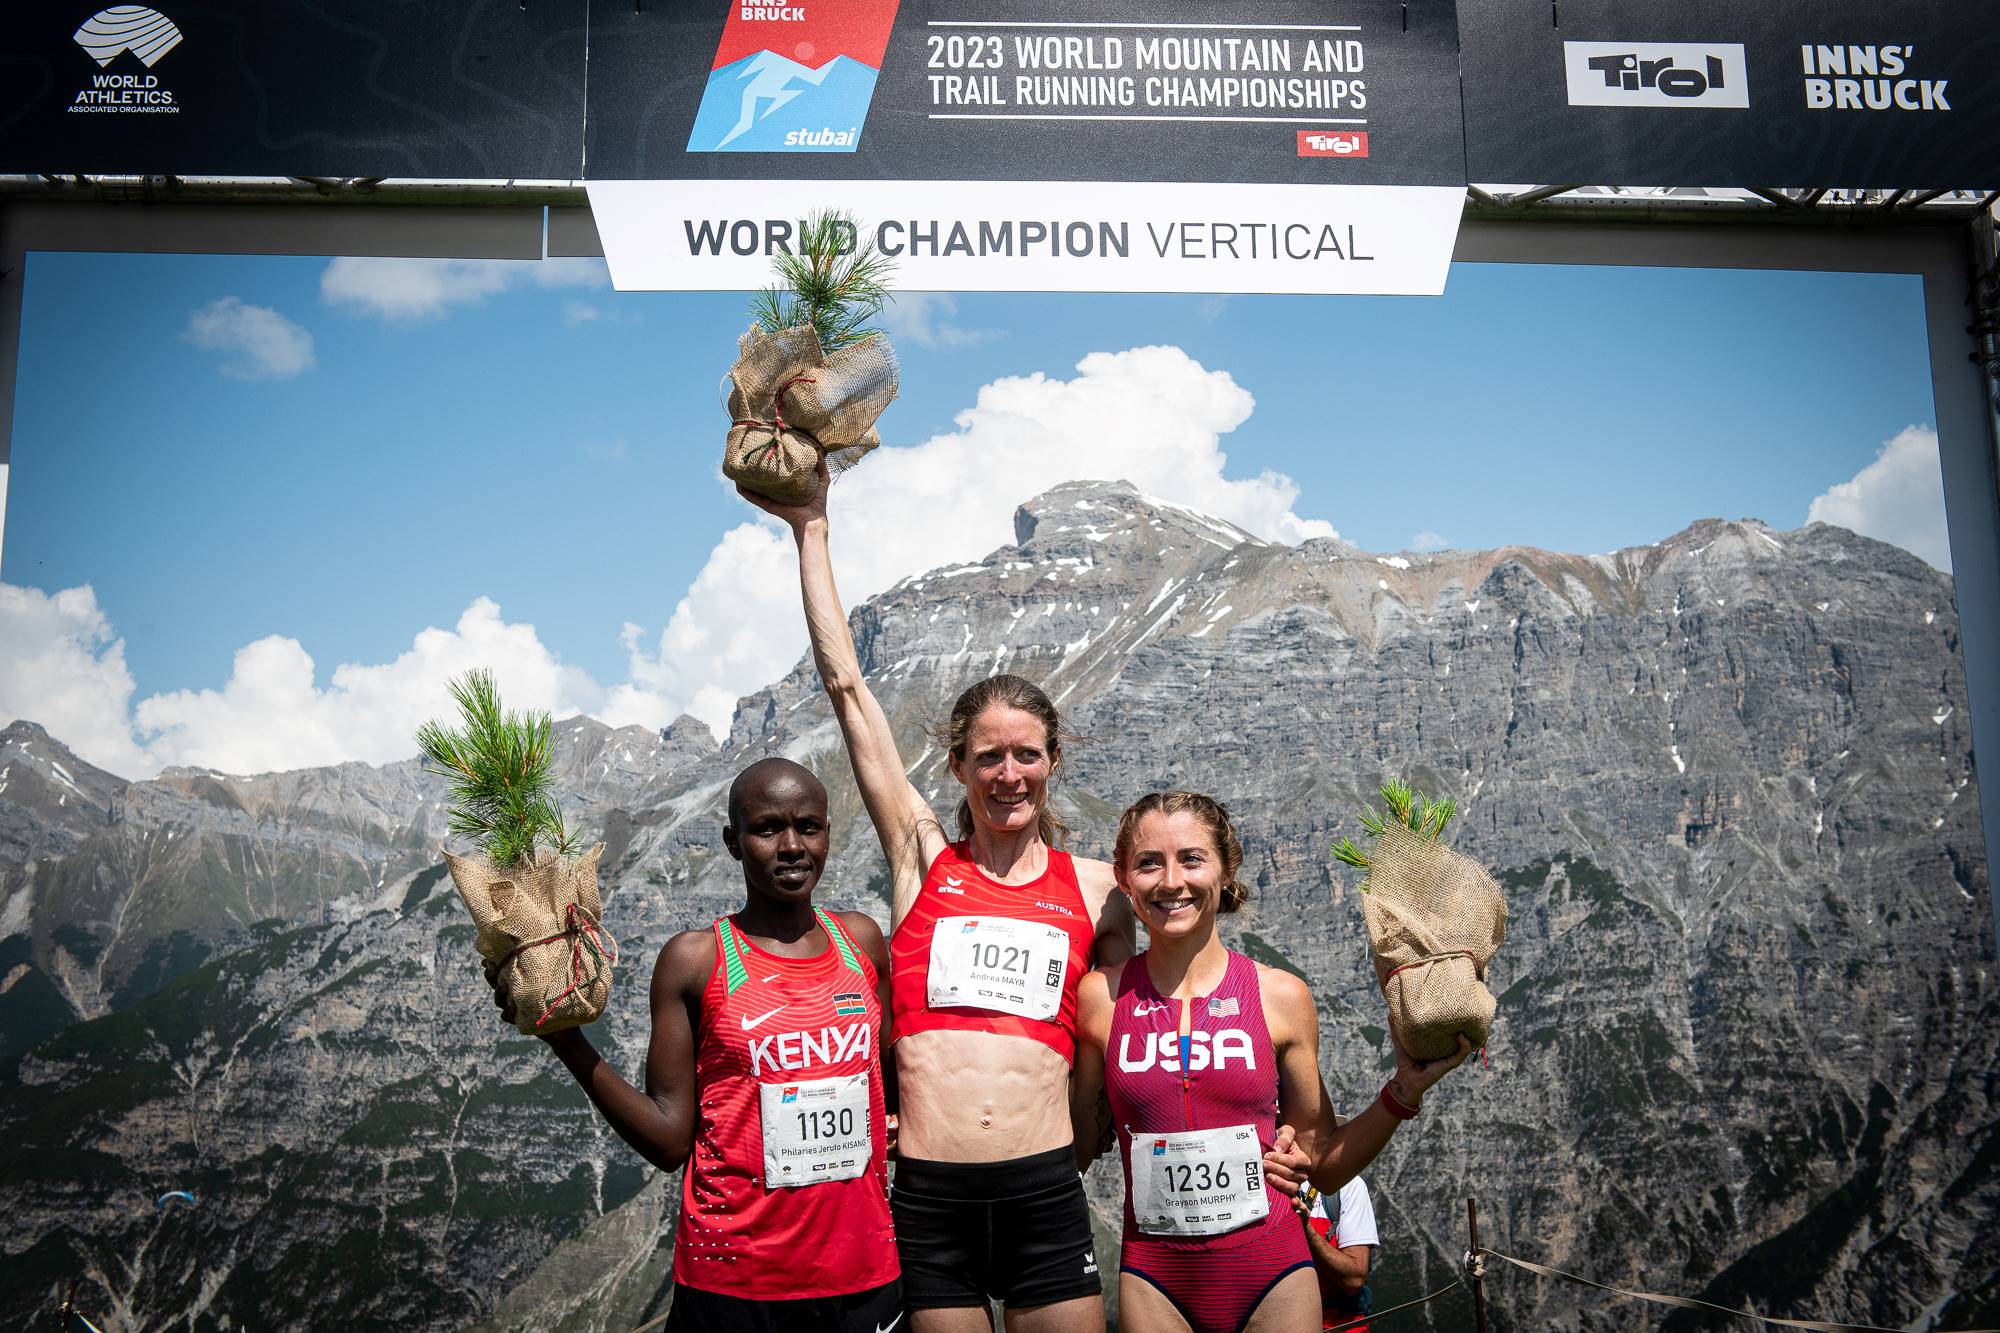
[{"x": 1213, "y": 817}]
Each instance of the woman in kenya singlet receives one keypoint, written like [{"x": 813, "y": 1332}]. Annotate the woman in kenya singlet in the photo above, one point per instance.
[
  {"x": 764, "y": 1079},
  {"x": 1193, "y": 1053},
  {"x": 992, "y": 932}
]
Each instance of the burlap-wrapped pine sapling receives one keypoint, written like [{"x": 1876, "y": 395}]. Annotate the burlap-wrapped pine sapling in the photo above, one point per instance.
[
  {"x": 533, "y": 897},
  {"x": 1434, "y": 919},
  {"x": 811, "y": 379}
]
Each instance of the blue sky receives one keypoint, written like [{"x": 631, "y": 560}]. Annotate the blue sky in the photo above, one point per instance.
[{"x": 386, "y": 447}]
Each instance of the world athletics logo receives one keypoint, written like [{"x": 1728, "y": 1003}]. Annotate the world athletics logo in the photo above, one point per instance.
[{"x": 793, "y": 78}]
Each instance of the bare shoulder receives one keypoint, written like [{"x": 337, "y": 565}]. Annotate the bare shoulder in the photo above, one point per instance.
[
  {"x": 1098, "y": 879},
  {"x": 1094, "y": 999},
  {"x": 867, "y": 933},
  {"x": 685, "y": 962},
  {"x": 1289, "y": 1008}
]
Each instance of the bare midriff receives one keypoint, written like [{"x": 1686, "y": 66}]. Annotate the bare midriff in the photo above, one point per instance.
[{"x": 979, "y": 1097}]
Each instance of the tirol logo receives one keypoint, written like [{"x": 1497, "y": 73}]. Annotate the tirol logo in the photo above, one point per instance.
[
  {"x": 793, "y": 78},
  {"x": 1322, "y": 143},
  {"x": 1668, "y": 74},
  {"x": 126, "y": 33}
]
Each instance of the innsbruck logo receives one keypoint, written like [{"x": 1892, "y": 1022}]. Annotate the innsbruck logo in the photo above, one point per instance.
[
  {"x": 793, "y": 78},
  {"x": 143, "y": 34}
]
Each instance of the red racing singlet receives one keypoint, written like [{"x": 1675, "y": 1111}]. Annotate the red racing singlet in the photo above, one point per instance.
[
  {"x": 1015, "y": 953},
  {"x": 788, "y": 1076}
]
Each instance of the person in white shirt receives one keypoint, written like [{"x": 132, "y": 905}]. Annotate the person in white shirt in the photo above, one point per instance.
[{"x": 1343, "y": 1241}]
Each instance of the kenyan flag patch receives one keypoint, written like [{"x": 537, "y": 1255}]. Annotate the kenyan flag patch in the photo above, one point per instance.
[{"x": 849, "y": 1003}]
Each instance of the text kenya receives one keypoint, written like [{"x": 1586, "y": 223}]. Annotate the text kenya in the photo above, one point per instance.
[{"x": 806, "y": 1050}]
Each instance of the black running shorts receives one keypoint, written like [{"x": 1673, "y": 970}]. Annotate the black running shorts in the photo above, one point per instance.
[
  {"x": 1016, "y": 1232},
  {"x": 876, "y": 1310}
]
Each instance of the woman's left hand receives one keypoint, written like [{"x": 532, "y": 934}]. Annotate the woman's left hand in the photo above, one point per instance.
[{"x": 1414, "y": 1077}]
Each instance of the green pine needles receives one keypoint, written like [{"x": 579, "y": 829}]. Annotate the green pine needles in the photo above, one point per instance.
[
  {"x": 500, "y": 765},
  {"x": 835, "y": 282},
  {"x": 1425, "y": 818}
]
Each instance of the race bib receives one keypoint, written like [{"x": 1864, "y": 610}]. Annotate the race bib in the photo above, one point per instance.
[
  {"x": 816, "y": 1131},
  {"x": 1202, "y": 1182},
  {"x": 998, "y": 963}
]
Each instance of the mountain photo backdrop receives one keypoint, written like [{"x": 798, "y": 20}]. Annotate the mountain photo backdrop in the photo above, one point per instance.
[{"x": 1668, "y": 613}]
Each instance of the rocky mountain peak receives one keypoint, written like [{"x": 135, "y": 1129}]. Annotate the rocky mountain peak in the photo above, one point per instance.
[{"x": 1103, "y": 517}]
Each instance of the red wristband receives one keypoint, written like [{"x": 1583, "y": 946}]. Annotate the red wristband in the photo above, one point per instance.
[{"x": 1394, "y": 1106}]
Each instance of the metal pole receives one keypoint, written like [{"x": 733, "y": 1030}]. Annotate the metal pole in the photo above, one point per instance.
[{"x": 1474, "y": 1268}]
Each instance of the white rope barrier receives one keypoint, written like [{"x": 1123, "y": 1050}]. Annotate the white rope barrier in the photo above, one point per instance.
[{"x": 1685, "y": 1303}]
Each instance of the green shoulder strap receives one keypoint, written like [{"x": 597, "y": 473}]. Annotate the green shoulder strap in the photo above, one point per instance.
[
  {"x": 733, "y": 972},
  {"x": 838, "y": 934}
]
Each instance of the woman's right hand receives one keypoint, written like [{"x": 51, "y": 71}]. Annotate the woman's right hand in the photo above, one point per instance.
[{"x": 794, "y": 516}]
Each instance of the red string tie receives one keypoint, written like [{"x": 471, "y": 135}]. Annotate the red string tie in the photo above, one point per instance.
[
  {"x": 776, "y": 428},
  {"x": 585, "y": 937}
]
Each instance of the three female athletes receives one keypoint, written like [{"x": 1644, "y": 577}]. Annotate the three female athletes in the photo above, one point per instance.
[{"x": 991, "y": 936}]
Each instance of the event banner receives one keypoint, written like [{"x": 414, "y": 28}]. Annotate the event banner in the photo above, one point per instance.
[
  {"x": 459, "y": 89},
  {"x": 1029, "y": 144},
  {"x": 1849, "y": 94},
  {"x": 983, "y": 235},
  {"x": 1363, "y": 92}
]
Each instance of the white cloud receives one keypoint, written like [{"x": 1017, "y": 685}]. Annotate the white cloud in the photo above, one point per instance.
[
  {"x": 1898, "y": 498},
  {"x": 417, "y": 289},
  {"x": 274, "y": 714},
  {"x": 579, "y": 312},
  {"x": 1151, "y": 415},
  {"x": 925, "y": 318},
  {"x": 258, "y": 342},
  {"x": 64, "y": 668},
  {"x": 1430, "y": 541}
]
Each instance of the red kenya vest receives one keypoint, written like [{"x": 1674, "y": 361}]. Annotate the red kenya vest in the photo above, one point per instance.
[{"x": 787, "y": 1060}]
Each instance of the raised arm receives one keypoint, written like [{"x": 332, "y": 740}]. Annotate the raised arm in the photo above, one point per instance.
[
  {"x": 910, "y": 834},
  {"x": 658, "y": 1123}
]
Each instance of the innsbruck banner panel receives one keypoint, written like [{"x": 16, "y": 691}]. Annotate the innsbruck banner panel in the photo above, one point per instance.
[{"x": 1848, "y": 94}]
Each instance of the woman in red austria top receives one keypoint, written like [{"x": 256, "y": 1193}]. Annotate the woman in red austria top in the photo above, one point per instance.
[
  {"x": 764, "y": 1075},
  {"x": 1195, "y": 1054},
  {"x": 992, "y": 931}
]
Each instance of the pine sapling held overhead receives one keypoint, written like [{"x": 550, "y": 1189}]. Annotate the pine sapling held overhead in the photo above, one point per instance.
[
  {"x": 810, "y": 378},
  {"x": 532, "y": 896}
]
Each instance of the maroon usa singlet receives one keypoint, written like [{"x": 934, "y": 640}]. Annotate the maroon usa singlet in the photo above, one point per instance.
[
  {"x": 1201, "y": 1222},
  {"x": 785, "y": 1195}
]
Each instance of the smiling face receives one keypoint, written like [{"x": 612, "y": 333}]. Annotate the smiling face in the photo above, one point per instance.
[
  {"x": 1173, "y": 873},
  {"x": 778, "y": 829},
  {"x": 1005, "y": 768}
]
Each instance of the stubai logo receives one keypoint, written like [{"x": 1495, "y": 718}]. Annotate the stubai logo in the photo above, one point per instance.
[
  {"x": 138, "y": 33},
  {"x": 793, "y": 78}
]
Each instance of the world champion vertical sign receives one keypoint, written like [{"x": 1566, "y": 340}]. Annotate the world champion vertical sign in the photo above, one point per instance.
[{"x": 1011, "y": 145}]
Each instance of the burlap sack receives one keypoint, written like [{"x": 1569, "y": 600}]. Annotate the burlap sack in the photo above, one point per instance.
[
  {"x": 1434, "y": 919},
  {"x": 787, "y": 404},
  {"x": 540, "y": 922}
]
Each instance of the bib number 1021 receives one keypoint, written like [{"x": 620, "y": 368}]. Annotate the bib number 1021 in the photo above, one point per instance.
[
  {"x": 827, "y": 1124},
  {"x": 1197, "y": 1177},
  {"x": 1000, "y": 957}
]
